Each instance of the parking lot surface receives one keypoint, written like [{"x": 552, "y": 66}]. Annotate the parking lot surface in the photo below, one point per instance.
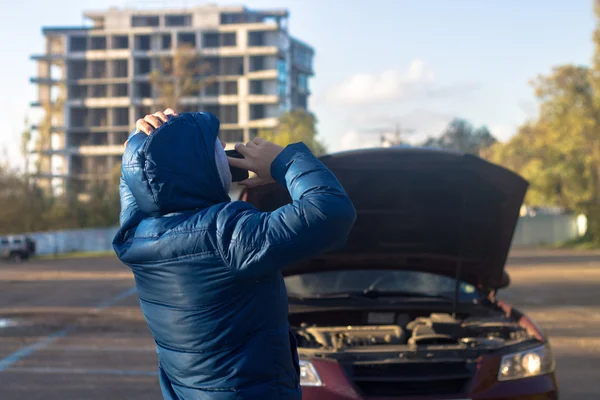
[{"x": 72, "y": 328}]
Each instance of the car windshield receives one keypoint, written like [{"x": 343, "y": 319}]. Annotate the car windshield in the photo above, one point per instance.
[{"x": 379, "y": 281}]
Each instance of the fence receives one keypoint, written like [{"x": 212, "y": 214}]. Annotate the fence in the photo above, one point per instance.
[
  {"x": 543, "y": 229},
  {"x": 71, "y": 241},
  {"x": 84, "y": 240},
  {"x": 530, "y": 231}
]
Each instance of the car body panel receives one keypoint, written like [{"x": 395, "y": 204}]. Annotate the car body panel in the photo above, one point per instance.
[
  {"x": 484, "y": 386},
  {"x": 434, "y": 211}
]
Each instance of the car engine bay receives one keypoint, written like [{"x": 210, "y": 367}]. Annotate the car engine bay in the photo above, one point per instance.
[{"x": 435, "y": 329}]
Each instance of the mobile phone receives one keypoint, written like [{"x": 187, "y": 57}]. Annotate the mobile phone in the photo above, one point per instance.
[{"x": 237, "y": 174}]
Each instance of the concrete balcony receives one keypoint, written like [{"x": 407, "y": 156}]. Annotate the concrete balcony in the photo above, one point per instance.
[
  {"x": 225, "y": 126},
  {"x": 263, "y": 50},
  {"x": 98, "y": 80},
  {"x": 53, "y": 128},
  {"x": 250, "y": 26},
  {"x": 256, "y": 26},
  {"x": 59, "y": 152},
  {"x": 35, "y": 104},
  {"x": 143, "y": 53},
  {"x": 224, "y": 99},
  {"x": 264, "y": 74},
  {"x": 212, "y": 100},
  {"x": 104, "y": 54},
  {"x": 190, "y": 100},
  {"x": 105, "y": 128},
  {"x": 228, "y": 99},
  {"x": 141, "y": 77},
  {"x": 48, "y": 57},
  {"x": 97, "y": 150},
  {"x": 87, "y": 150},
  {"x": 161, "y": 52},
  {"x": 85, "y": 176},
  {"x": 101, "y": 102},
  {"x": 143, "y": 101},
  {"x": 263, "y": 123},
  {"x": 46, "y": 81},
  {"x": 239, "y": 51},
  {"x": 263, "y": 98},
  {"x": 49, "y": 175},
  {"x": 222, "y": 51}
]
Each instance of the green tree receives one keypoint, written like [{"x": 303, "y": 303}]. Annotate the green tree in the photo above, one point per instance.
[
  {"x": 461, "y": 136},
  {"x": 26, "y": 137},
  {"x": 296, "y": 126},
  {"x": 559, "y": 151},
  {"x": 22, "y": 204},
  {"x": 182, "y": 75}
]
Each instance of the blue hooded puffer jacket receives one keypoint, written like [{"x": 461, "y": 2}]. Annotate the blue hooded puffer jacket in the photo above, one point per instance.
[{"x": 207, "y": 269}]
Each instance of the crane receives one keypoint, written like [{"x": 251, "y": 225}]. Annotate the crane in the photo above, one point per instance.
[{"x": 384, "y": 132}]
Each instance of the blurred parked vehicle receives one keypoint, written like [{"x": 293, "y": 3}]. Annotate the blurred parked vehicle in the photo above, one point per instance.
[{"x": 17, "y": 247}]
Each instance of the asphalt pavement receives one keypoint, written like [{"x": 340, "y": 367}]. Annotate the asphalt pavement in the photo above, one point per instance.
[{"x": 72, "y": 329}]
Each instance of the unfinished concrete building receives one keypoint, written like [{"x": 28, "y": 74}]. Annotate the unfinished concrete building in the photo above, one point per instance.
[{"x": 95, "y": 81}]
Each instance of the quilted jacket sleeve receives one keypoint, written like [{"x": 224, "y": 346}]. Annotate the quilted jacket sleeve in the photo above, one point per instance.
[
  {"x": 319, "y": 219},
  {"x": 128, "y": 205}
]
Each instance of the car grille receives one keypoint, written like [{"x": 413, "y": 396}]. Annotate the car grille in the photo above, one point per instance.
[{"x": 412, "y": 378}]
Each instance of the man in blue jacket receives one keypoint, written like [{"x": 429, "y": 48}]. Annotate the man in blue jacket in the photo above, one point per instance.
[{"x": 207, "y": 269}]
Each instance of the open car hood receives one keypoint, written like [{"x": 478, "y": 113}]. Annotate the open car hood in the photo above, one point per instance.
[{"x": 419, "y": 209}]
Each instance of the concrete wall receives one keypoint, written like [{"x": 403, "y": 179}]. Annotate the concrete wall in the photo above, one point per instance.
[
  {"x": 84, "y": 240},
  {"x": 547, "y": 230},
  {"x": 531, "y": 231},
  {"x": 77, "y": 240}
]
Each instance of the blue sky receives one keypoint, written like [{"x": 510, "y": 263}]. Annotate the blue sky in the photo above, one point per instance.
[{"x": 378, "y": 62}]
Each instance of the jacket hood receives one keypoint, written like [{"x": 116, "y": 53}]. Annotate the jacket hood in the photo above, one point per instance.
[
  {"x": 174, "y": 168},
  {"x": 419, "y": 209}
]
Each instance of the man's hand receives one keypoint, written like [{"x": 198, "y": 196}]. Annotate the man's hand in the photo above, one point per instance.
[
  {"x": 152, "y": 121},
  {"x": 259, "y": 155}
]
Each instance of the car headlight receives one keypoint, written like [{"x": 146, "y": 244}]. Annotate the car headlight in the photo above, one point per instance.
[
  {"x": 308, "y": 374},
  {"x": 526, "y": 364}
]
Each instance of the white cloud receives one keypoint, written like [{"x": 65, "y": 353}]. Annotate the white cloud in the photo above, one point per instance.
[
  {"x": 416, "y": 81},
  {"x": 418, "y": 71},
  {"x": 502, "y": 132},
  {"x": 387, "y": 85},
  {"x": 426, "y": 123},
  {"x": 355, "y": 140}
]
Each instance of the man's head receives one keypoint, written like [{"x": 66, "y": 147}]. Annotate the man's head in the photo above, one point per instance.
[
  {"x": 255, "y": 156},
  {"x": 181, "y": 165}
]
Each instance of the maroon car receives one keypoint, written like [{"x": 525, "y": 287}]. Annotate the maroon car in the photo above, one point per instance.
[{"x": 408, "y": 309}]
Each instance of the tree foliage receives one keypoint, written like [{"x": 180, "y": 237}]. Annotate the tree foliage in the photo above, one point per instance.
[
  {"x": 25, "y": 207},
  {"x": 461, "y": 136},
  {"x": 559, "y": 151},
  {"x": 182, "y": 75},
  {"x": 296, "y": 126}
]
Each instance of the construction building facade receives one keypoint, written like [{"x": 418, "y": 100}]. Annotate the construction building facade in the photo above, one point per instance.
[{"x": 95, "y": 81}]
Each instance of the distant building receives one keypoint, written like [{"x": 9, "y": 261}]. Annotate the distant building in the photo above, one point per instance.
[{"x": 94, "y": 81}]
